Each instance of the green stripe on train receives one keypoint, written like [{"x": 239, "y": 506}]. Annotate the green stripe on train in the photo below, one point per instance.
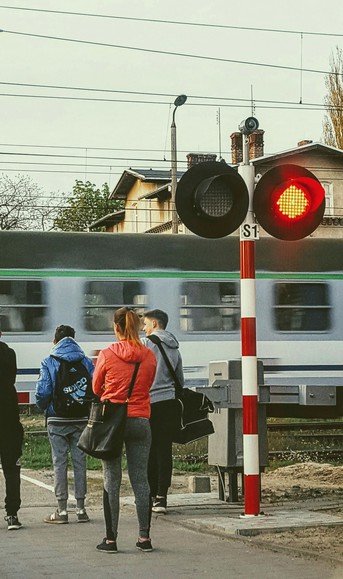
[{"x": 22, "y": 273}]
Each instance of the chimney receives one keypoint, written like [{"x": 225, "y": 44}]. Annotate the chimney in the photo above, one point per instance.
[
  {"x": 305, "y": 142},
  {"x": 256, "y": 143},
  {"x": 236, "y": 148},
  {"x": 195, "y": 158},
  {"x": 256, "y": 146}
]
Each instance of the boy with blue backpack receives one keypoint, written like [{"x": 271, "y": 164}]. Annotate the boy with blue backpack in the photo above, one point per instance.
[{"x": 64, "y": 392}]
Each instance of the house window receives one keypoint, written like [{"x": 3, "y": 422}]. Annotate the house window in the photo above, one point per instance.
[
  {"x": 329, "y": 208},
  {"x": 209, "y": 307},
  {"x": 102, "y": 298},
  {"x": 22, "y": 307},
  {"x": 302, "y": 307}
]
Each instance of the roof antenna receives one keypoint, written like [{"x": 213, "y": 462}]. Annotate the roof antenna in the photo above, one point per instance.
[
  {"x": 219, "y": 134},
  {"x": 301, "y": 68},
  {"x": 252, "y": 100}
]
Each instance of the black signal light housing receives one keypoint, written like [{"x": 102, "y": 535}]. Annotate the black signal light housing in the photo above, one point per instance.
[{"x": 212, "y": 199}]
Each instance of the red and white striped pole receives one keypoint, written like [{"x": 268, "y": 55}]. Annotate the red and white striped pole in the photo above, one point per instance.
[{"x": 248, "y": 235}]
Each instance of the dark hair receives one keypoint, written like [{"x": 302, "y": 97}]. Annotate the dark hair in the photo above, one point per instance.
[
  {"x": 160, "y": 316},
  {"x": 129, "y": 324},
  {"x": 64, "y": 332}
]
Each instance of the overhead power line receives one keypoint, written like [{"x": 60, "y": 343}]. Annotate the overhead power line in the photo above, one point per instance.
[
  {"x": 300, "y": 106},
  {"x": 175, "y": 22},
  {"x": 167, "y": 95},
  {"x": 83, "y": 147},
  {"x": 128, "y": 159},
  {"x": 169, "y": 53}
]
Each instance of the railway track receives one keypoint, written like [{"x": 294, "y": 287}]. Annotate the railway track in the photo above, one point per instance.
[
  {"x": 308, "y": 425},
  {"x": 314, "y": 433}
]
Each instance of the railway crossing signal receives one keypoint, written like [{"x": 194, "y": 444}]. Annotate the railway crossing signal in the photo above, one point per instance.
[
  {"x": 289, "y": 202},
  {"x": 212, "y": 200}
]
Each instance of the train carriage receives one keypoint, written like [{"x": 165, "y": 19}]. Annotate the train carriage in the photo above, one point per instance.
[{"x": 80, "y": 278}]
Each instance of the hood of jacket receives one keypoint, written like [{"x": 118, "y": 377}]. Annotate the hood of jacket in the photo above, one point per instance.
[
  {"x": 167, "y": 338},
  {"x": 128, "y": 352},
  {"x": 68, "y": 349}
]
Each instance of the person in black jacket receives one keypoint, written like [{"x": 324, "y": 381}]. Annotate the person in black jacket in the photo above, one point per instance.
[{"x": 11, "y": 435}]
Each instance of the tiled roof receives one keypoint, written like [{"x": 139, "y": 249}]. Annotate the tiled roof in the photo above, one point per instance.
[
  {"x": 298, "y": 150},
  {"x": 161, "y": 193},
  {"x": 129, "y": 177},
  {"x": 109, "y": 219}
]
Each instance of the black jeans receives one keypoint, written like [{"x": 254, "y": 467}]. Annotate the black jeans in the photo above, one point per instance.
[
  {"x": 164, "y": 421},
  {"x": 11, "y": 468}
]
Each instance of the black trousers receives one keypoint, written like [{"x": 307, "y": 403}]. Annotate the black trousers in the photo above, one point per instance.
[
  {"x": 164, "y": 421},
  {"x": 11, "y": 468}
]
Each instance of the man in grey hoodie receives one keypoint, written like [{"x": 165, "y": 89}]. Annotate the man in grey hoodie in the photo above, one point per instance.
[{"x": 165, "y": 410}]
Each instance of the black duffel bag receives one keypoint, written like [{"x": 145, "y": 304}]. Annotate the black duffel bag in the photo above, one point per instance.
[{"x": 194, "y": 421}]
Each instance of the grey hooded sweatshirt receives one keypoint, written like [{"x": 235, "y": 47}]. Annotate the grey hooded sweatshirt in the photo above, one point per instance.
[{"x": 163, "y": 386}]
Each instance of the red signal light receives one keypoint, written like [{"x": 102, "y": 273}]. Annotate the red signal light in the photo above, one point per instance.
[{"x": 289, "y": 202}]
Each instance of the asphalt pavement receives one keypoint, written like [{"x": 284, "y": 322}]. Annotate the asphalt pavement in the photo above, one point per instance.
[{"x": 199, "y": 537}]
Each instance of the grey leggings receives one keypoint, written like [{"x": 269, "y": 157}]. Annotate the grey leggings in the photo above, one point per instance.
[{"x": 137, "y": 440}]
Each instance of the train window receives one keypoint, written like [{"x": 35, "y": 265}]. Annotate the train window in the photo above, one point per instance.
[
  {"x": 101, "y": 298},
  {"x": 209, "y": 306},
  {"x": 302, "y": 307},
  {"x": 22, "y": 308}
]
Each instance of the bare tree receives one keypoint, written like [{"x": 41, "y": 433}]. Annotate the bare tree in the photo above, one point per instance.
[
  {"x": 23, "y": 206},
  {"x": 333, "y": 119}
]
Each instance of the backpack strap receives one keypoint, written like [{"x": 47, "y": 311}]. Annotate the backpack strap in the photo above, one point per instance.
[
  {"x": 177, "y": 385},
  {"x": 133, "y": 380}
]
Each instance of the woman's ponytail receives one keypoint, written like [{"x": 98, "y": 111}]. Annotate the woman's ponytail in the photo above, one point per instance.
[{"x": 129, "y": 324}]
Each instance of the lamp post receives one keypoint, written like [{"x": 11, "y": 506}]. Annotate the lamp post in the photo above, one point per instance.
[{"x": 179, "y": 101}]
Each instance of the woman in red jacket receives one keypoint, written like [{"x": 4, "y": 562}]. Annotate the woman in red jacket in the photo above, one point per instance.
[{"x": 111, "y": 379}]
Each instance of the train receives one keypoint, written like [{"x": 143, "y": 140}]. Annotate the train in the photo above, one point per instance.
[{"x": 79, "y": 279}]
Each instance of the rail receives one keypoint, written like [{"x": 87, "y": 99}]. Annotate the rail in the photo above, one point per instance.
[{"x": 308, "y": 425}]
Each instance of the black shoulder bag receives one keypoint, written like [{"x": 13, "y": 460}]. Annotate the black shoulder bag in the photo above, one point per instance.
[
  {"x": 195, "y": 406},
  {"x": 103, "y": 437}
]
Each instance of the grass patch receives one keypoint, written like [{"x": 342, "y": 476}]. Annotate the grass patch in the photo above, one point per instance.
[{"x": 36, "y": 452}]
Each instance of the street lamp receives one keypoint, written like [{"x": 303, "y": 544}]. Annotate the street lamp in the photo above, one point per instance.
[{"x": 179, "y": 101}]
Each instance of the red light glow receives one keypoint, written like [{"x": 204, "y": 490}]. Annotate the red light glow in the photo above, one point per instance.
[{"x": 293, "y": 203}]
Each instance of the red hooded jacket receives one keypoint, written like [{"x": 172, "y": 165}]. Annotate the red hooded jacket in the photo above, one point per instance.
[{"x": 113, "y": 373}]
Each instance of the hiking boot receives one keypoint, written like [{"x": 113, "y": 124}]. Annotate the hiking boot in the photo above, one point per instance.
[
  {"x": 12, "y": 522},
  {"x": 160, "y": 505},
  {"x": 106, "y": 547},
  {"x": 82, "y": 516},
  {"x": 144, "y": 546},
  {"x": 57, "y": 518}
]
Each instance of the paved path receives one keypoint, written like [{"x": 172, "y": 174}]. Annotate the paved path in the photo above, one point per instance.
[{"x": 40, "y": 550}]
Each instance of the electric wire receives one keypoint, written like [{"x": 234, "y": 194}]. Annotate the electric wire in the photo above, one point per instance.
[
  {"x": 167, "y": 95},
  {"x": 175, "y": 22},
  {"x": 168, "y": 53},
  {"x": 300, "y": 107}
]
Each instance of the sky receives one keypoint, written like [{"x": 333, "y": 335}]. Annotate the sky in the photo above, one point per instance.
[{"x": 58, "y": 140}]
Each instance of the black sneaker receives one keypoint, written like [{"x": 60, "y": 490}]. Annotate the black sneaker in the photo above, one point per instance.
[
  {"x": 105, "y": 547},
  {"x": 160, "y": 505},
  {"x": 12, "y": 523},
  {"x": 144, "y": 546}
]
